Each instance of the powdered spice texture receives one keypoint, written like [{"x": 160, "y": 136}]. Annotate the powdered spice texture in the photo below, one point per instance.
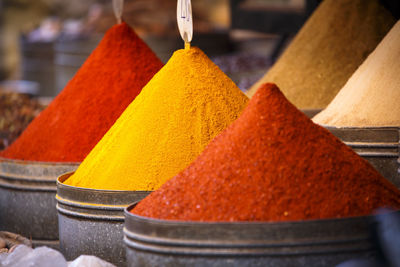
[
  {"x": 371, "y": 97},
  {"x": 331, "y": 45},
  {"x": 272, "y": 164},
  {"x": 80, "y": 115},
  {"x": 186, "y": 104}
]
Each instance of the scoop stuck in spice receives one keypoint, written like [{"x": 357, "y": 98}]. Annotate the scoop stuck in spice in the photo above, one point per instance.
[{"x": 186, "y": 104}]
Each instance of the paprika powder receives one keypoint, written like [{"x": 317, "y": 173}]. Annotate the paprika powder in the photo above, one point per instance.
[
  {"x": 272, "y": 164},
  {"x": 90, "y": 103},
  {"x": 186, "y": 104}
]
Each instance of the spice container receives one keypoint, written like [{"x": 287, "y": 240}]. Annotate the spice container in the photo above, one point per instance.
[
  {"x": 224, "y": 211},
  {"x": 69, "y": 55},
  {"x": 91, "y": 102},
  {"x": 152, "y": 242},
  {"x": 27, "y": 203},
  {"x": 378, "y": 145},
  {"x": 37, "y": 64},
  {"x": 173, "y": 129},
  {"x": 365, "y": 113},
  {"x": 90, "y": 221}
]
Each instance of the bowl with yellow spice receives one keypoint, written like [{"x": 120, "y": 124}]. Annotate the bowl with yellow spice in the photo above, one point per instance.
[{"x": 90, "y": 221}]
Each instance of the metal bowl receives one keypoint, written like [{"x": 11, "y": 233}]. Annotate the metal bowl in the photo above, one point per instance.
[
  {"x": 151, "y": 242},
  {"x": 378, "y": 145},
  {"x": 27, "y": 203},
  {"x": 91, "y": 221}
]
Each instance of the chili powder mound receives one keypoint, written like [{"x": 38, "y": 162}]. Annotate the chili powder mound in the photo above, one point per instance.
[
  {"x": 330, "y": 46},
  {"x": 80, "y": 115},
  {"x": 272, "y": 164}
]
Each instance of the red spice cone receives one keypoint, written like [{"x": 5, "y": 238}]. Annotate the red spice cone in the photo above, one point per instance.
[
  {"x": 80, "y": 115},
  {"x": 272, "y": 164}
]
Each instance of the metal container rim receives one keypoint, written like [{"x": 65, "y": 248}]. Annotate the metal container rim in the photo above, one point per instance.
[
  {"x": 37, "y": 163},
  {"x": 72, "y": 197},
  {"x": 61, "y": 179},
  {"x": 389, "y": 128},
  {"x": 130, "y": 216}
]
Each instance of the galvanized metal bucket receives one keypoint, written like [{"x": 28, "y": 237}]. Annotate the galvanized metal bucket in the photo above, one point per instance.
[
  {"x": 91, "y": 221},
  {"x": 69, "y": 56},
  {"x": 151, "y": 242},
  {"x": 27, "y": 203},
  {"x": 378, "y": 145},
  {"x": 37, "y": 65}
]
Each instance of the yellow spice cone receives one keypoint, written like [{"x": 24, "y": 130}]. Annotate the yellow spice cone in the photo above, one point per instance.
[
  {"x": 327, "y": 50},
  {"x": 186, "y": 104}
]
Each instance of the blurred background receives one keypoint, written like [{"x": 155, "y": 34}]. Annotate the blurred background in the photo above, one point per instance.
[{"x": 44, "y": 42}]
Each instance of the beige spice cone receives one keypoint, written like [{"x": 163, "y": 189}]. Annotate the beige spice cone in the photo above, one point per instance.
[{"x": 371, "y": 97}]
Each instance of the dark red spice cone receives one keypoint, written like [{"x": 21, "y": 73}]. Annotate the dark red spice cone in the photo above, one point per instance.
[
  {"x": 272, "y": 164},
  {"x": 80, "y": 115}
]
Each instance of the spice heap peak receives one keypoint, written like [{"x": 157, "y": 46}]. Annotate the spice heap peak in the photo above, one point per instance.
[
  {"x": 186, "y": 104},
  {"x": 323, "y": 55},
  {"x": 371, "y": 97},
  {"x": 272, "y": 164},
  {"x": 80, "y": 115}
]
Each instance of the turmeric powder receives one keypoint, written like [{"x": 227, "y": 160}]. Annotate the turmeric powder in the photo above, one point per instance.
[{"x": 186, "y": 104}]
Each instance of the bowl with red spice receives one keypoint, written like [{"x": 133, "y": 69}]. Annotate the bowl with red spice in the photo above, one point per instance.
[
  {"x": 91, "y": 221},
  {"x": 27, "y": 191},
  {"x": 272, "y": 189},
  {"x": 69, "y": 128},
  {"x": 327, "y": 242},
  {"x": 378, "y": 145}
]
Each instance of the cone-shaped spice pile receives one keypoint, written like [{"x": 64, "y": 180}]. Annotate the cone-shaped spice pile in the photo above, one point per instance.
[
  {"x": 327, "y": 50},
  {"x": 371, "y": 97},
  {"x": 272, "y": 164},
  {"x": 187, "y": 103},
  {"x": 81, "y": 114}
]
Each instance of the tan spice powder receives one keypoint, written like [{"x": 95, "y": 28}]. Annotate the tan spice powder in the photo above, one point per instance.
[
  {"x": 334, "y": 41},
  {"x": 371, "y": 97}
]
